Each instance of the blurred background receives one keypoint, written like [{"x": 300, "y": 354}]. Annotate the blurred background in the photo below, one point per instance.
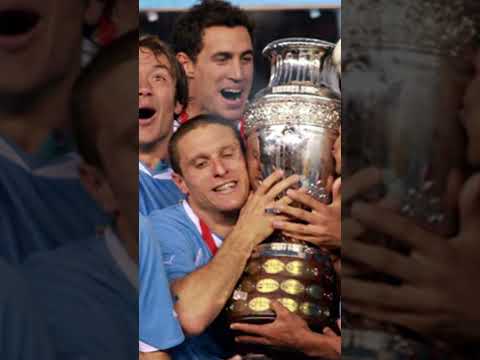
[{"x": 275, "y": 19}]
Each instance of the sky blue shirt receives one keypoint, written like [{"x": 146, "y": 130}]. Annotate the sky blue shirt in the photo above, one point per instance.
[
  {"x": 159, "y": 327},
  {"x": 42, "y": 203},
  {"x": 156, "y": 189},
  {"x": 184, "y": 251},
  {"x": 88, "y": 293}
]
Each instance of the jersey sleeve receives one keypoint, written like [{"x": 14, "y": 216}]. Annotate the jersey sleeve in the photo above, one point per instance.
[{"x": 178, "y": 247}]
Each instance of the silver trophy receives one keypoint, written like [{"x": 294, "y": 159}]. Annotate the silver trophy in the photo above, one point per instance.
[
  {"x": 405, "y": 68},
  {"x": 292, "y": 125}
]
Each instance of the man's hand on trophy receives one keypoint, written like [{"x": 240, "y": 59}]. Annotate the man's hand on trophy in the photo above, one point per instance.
[
  {"x": 258, "y": 214},
  {"x": 290, "y": 331},
  {"x": 439, "y": 294},
  {"x": 320, "y": 226}
]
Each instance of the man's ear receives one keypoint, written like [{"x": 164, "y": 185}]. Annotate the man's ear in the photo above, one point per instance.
[
  {"x": 98, "y": 187},
  {"x": 187, "y": 63},
  {"x": 180, "y": 182}
]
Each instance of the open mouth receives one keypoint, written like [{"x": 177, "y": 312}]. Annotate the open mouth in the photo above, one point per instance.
[
  {"x": 231, "y": 94},
  {"x": 146, "y": 113},
  {"x": 17, "y": 22},
  {"x": 225, "y": 188}
]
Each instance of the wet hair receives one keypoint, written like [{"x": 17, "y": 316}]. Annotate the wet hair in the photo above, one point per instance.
[
  {"x": 159, "y": 48},
  {"x": 190, "y": 27},
  {"x": 84, "y": 120},
  {"x": 195, "y": 123}
]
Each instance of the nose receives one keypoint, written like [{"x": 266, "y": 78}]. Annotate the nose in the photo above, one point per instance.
[
  {"x": 144, "y": 91},
  {"x": 236, "y": 70},
  {"x": 144, "y": 88},
  {"x": 219, "y": 168}
]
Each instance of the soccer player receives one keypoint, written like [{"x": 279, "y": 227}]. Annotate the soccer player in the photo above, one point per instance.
[
  {"x": 207, "y": 239},
  {"x": 162, "y": 89},
  {"x": 214, "y": 43}
]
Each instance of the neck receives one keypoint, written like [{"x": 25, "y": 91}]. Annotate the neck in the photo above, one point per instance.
[
  {"x": 152, "y": 155},
  {"x": 220, "y": 223},
  {"x": 193, "y": 108},
  {"x": 128, "y": 237},
  {"x": 32, "y": 120}
]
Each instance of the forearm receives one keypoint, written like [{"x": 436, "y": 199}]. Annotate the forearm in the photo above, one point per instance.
[
  {"x": 320, "y": 346},
  {"x": 202, "y": 294},
  {"x": 156, "y": 355}
]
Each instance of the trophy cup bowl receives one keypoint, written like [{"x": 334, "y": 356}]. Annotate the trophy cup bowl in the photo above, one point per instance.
[{"x": 292, "y": 125}]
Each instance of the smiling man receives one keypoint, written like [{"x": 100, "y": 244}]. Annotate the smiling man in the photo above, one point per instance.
[
  {"x": 213, "y": 42},
  {"x": 207, "y": 239},
  {"x": 162, "y": 90}
]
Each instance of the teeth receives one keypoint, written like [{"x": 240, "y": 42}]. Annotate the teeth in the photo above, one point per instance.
[
  {"x": 231, "y": 94},
  {"x": 226, "y": 186}
]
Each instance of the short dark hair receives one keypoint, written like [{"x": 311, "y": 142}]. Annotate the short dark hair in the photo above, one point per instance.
[
  {"x": 195, "y": 123},
  {"x": 158, "y": 48},
  {"x": 190, "y": 27},
  {"x": 84, "y": 122}
]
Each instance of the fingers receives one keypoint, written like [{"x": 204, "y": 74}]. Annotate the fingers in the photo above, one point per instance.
[
  {"x": 279, "y": 309},
  {"x": 295, "y": 228},
  {"x": 283, "y": 201},
  {"x": 269, "y": 181},
  {"x": 282, "y": 186},
  {"x": 324, "y": 240},
  {"x": 305, "y": 199},
  {"x": 249, "y": 328},
  {"x": 399, "y": 227},
  {"x": 253, "y": 340},
  {"x": 299, "y": 214},
  {"x": 360, "y": 182},
  {"x": 329, "y": 332}
]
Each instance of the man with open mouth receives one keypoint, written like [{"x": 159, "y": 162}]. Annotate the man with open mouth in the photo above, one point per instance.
[
  {"x": 43, "y": 203},
  {"x": 162, "y": 90},
  {"x": 213, "y": 42}
]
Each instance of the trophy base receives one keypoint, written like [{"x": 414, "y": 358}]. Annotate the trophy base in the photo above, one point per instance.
[{"x": 298, "y": 276}]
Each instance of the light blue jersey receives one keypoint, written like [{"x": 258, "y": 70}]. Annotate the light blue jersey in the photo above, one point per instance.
[
  {"x": 42, "y": 204},
  {"x": 156, "y": 189},
  {"x": 159, "y": 328},
  {"x": 23, "y": 330},
  {"x": 184, "y": 251},
  {"x": 88, "y": 293}
]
